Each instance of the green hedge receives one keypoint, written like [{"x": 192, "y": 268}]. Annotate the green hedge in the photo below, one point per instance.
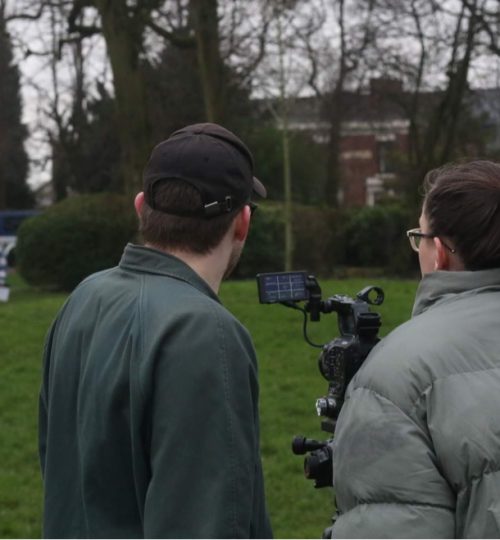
[
  {"x": 74, "y": 238},
  {"x": 375, "y": 237},
  {"x": 316, "y": 241},
  {"x": 329, "y": 241},
  {"x": 264, "y": 249},
  {"x": 87, "y": 233}
]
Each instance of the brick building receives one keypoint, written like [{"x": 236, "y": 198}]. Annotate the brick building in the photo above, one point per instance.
[
  {"x": 374, "y": 130},
  {"x": 375, "y": 135}
]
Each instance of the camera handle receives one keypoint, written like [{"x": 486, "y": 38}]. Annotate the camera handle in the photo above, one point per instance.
[
  {"x": 301, "y": 445},
  {"x": 318, "y": 464},
  {"x": 349, "y": 310}
]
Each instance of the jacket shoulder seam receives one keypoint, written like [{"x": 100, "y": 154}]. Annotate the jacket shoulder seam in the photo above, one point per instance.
[
  {"x": 422, "y": 393},
  {"x": 142, "y": 343},
  {"x": 478, "y": 477},
  {"x": 402, "y": 503},
  {"x": 383, "y": 396},
  {"x": 223, "y": 348}
]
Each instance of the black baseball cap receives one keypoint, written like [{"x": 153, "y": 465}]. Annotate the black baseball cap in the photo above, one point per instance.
[{"x": 210, "y": 158}]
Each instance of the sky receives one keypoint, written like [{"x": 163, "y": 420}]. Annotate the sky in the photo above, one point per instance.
[{"x": 39, "y": 79}]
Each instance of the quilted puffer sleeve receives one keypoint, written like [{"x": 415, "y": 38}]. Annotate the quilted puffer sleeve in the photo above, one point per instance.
[{"x": 386, "y": 475}]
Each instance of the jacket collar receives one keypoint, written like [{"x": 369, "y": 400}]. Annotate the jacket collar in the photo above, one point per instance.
[
  {"x": 441, "y": 286},
  {"x": 152, "y": 261}
]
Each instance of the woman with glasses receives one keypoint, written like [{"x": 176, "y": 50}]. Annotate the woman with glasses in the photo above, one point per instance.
[{"x": 417, "y": 444}]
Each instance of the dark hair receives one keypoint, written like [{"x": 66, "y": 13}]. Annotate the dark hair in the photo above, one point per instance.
[
  {"x": 462, "y": 203},
  {"x": 193, "y": 234}
]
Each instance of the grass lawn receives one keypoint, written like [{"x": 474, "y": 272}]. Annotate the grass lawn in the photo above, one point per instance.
[{"x": 290, "y": 384}]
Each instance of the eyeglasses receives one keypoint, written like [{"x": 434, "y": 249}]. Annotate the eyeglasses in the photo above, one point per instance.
[
  {"x": 253, "y": 207},
  {"x": 416, "y": 235}
]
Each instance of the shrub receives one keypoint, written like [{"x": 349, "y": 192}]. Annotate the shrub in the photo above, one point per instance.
[
  {"x": 375, "y": 236},
  {"x": 330, "y": 241},
  {"x": 74, "y": 238},
  {"x": 316, "y": 238},
  {"x": 265, "y": 243}
]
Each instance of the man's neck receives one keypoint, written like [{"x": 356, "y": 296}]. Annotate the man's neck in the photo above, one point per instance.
[{"x": 210, "y": 267}]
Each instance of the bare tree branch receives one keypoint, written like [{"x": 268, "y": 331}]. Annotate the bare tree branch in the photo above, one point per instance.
[
  {"x": 181, "y": 37},
  {"x": 74, "y": 27}
]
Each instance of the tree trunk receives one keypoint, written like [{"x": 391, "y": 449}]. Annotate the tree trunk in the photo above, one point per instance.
[
  {"x": 210, "y": 64},
  {"x": 3, "y": 176},
  {"x": 333, "y": 172},
  {"x": 335, "y": 116},
  {"x": 287, "y": 180},
  {"x": 3, "y": 127},
  {"x": 123, "y": 36},
  {"x": 435, "y": 145}
]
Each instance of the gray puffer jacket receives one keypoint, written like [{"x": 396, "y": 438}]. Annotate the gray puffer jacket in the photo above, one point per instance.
[{"x": 417, "y": 444}]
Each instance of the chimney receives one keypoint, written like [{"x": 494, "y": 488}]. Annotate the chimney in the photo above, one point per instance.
[{"x": 385, "y": 85}]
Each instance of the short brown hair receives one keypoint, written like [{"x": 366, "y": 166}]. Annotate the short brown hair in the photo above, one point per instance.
[
  {"x": 462, "y": 203},
  {"x": 168, "y": 231}
]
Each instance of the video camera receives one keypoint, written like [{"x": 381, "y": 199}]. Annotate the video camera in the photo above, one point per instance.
[{"x": 339, "y": 360}]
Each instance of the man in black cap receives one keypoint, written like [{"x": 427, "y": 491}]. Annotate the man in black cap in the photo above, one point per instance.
[{"x": 149, "y": 421}]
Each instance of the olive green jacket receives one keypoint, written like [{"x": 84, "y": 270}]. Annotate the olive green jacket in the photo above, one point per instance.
[
  {"x": 417, "y": 444},
  {"x": 149, "y": 421}
]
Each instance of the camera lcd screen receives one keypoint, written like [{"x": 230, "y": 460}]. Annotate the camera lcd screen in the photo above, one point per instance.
[{"x": 282, "y": 287}]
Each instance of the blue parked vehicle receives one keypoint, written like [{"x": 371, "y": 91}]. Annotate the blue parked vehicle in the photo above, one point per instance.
[{"x": 10, "y": 220}]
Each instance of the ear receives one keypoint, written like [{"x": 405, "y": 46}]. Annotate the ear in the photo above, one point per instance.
[
  {"x": 242, "y": 224},
  {"x": 442, "y": 255},
  {"x": 139, "y": 203}
]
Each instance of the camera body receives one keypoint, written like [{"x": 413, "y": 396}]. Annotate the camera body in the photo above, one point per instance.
[{"x": 340, "y": 358}]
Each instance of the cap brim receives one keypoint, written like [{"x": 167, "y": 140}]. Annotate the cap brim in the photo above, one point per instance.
[{"x": 259, "y": 188}]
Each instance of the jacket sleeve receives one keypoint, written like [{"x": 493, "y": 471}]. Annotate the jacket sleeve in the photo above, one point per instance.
[
  {"x": 206, "y": 475},
  {"x": 43, "y": 398},
  {"x": 386, "y": 477}
]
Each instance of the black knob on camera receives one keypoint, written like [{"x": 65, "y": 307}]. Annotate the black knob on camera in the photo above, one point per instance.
[
  {"x": 327, "y": 406},
  {"x": 301, "y": 445},
  {"x": 318, "y": 467}
]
